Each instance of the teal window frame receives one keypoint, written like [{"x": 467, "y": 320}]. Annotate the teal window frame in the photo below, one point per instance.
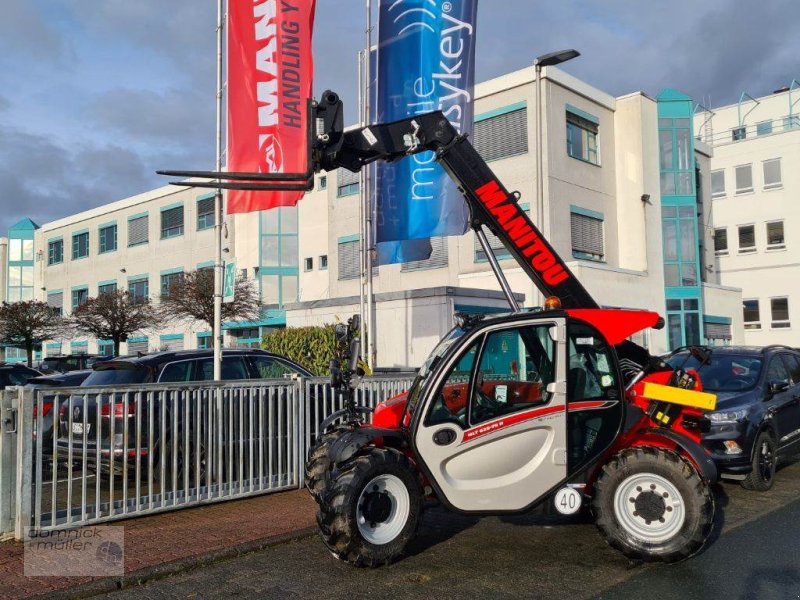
[
  {"x": 586, "y": 127},
  {"x": 684, "y": 321},
  {"x": 107, "y": 287},
  {"x": 675, "y": 175},
  {"x": 349, "y": 189},
  {"x": 167, "y": 278},
  {"x": 107, "y": 244},
  {"x": 207, "y": 219},
  {"x": 55, "y": 251},
  {"x": 283, "y": 228},
  {"x": 79, "y": 245},
  {"x": 77, "y": 293},
  {"x": 176, "y": 230},
  {"x": 133, "y": 284},
  {"x": 681, "y": 217},
  {"x": 323, "y": 262}
]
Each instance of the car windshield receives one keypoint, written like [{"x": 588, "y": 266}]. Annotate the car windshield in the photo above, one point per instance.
[
  {"x": 724, "y": 372},
  {"x": 439, "y": 351},
  {"x": 117, "y": 376}
]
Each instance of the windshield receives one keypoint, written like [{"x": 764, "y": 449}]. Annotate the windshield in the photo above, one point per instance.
[
  {"x": 441, "y": 349},
  {"x": 724, "y": 372},
  {"x": 117, "y": 376}
]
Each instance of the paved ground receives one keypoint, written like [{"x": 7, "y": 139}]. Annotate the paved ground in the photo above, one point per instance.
[
  {"x": 173, "y": 539},
  {"x": 531, "y": 556},
  {"x": 758, "y": 560}
]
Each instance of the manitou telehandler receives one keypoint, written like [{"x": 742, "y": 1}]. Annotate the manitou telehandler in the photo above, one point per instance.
[{"x": 548, "y": 405}]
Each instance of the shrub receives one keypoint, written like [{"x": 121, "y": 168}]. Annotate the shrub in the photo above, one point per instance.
[{"x": 311, "y": 347}]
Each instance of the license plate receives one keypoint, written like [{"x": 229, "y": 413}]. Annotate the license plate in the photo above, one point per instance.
[{"x": 77, "y": 428}]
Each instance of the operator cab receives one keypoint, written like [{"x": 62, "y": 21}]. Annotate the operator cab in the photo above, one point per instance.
[{"x": 507, "y": 410}]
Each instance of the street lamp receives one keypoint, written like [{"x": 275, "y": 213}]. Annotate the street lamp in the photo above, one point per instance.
[{"x": 545, "y": 60}]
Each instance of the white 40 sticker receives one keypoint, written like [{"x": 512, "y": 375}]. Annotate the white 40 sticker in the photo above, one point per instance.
[{"x": 568, "y": 501}]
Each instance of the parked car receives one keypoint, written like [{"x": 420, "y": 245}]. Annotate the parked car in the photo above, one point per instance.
[
  {"x": 47, "y": 404},
  {"x": 131, "y": 425},
  {"x": 71, "y": 362},
  {"x": 12, "y": 374},
  {"x": 757, "y": 419}
]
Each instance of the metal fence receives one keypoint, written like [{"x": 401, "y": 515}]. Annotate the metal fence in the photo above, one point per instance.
[{"x": 88, "y": 455}]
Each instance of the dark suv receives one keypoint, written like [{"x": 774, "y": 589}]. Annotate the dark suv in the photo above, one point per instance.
[
  {"x": 757, "y": 418},
  {"x": 131, "y": 422}
]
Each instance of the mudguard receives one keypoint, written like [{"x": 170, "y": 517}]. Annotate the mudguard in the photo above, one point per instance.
[
  {"x": 348, "y": 443},
  {"x": 705, "y": 465},
  {"x": 365, "y": 410}
]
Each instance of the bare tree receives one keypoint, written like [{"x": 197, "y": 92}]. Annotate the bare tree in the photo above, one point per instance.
[
  {"x": 191, "y": 297},
  {"x": 114, "y": 316},
  {"x": 28, "y": 324}
]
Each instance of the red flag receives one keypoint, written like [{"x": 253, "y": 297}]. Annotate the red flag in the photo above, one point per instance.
[{"x": 270, "y": 77}]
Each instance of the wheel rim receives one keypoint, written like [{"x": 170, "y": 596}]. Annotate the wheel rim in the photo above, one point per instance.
[
  {"x": 383, "y": 509},
  {"x": 766, "y": 461},
  {"x": 649, "y": 507}
]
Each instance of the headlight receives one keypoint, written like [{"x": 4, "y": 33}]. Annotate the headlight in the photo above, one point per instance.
[{"x": 728, "y": 417}]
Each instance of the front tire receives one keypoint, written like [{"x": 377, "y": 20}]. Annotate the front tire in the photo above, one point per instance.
[
  {"x": 371, "y": 509},
  {"x": 319, "y": 464},
  {"x": 762, "y": 477},
  {"x": 652, "y": 505}
]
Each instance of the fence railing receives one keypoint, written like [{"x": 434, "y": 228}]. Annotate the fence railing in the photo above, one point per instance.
[{"x": 99, "y": 454}]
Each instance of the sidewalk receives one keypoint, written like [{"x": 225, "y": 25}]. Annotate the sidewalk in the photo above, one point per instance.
[{"x": 174, "y": 541}]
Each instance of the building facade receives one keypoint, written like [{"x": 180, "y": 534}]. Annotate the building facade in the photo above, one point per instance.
[
  {"x": 604, "y": 168},
  {"x": 754, "y": 217}
]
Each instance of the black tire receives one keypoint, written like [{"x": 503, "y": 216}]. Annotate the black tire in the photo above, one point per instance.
[
  {"x": 339, "y": 510},
  {"x": 641, "y": 522},
  {"x": 765, "y": 461},
  {"x": 318, "y": 465}
]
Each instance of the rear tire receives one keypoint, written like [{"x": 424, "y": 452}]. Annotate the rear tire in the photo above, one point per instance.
[
  {"x": 652, "y": 505},
  {"x": 371, "y": 508},
  {"x": 765, "y": 461}
]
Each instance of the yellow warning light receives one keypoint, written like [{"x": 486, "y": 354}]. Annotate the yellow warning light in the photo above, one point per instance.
[{"x": 552, "y": 303}]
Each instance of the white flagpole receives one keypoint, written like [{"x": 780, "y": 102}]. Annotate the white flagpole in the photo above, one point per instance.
[
  {"x": 362, "y": 244},
  {"x": 218, "y": 208},
  {"x": 372, "y": 357}
]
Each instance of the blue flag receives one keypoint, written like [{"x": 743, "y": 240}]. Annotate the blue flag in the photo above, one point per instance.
[{"x": 426, "y": 62}]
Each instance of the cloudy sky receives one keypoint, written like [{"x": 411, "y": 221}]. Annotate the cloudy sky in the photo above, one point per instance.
[{"x": 95, "y": 95}]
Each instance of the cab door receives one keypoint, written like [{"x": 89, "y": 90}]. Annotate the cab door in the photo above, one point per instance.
[{"x": 492, "y": 434}]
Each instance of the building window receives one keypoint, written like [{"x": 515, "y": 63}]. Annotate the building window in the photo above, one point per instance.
[
  {"x": 436, "y": 260},
  {"x": 752, "y": 318},
  {"x": 204, "y": 341},
  {"x": 683, "y": 322},
  {"x": 587, "y": 236},
  {"x": 323, "y": 183},
  {"x": 772, "y": 174},
  {"x": 79, "y": 297},
  {"x": 739, "y": 133},
  {"x": 171, "y": 342},
  {"x": 55, "y": 300},
  {"x": 55, "y": 252},
  {"x": 280, "y": 256},
  {"x": 679, "y": 227},
  {"x": 791, "y": 122},
  {"x": 780, "y": 313},
  {"x": 308, "y": 264},
  {"x": 501, "y": 136},
  {"x": 105, "y": 347},
  {"x": 498, "y": 248},
  {"x": 747, "y": 238},
  {"x": 676, "y": 158},
  {"x": 744, "y": 179},
  {"x": 717, "y": 184},
  {"x": 171, "y": 222},
  {"x": 323, "y": 262},
  {"x": 138, "y": 230},
  {"x": 139, "y": 290},
  {"x": 168, "y": 280},
  {"x": 775, "y": 239},
  {"x": 721, "y": 241},
  {"x": 108, "y": 238},
  {"x": 107, "y": 288},
  {"x": 205, "y": 213},
  {"x": 582, "y": 139},
  {"x": 80, "y": 245},
  {"x": 348, "y": 183},
  {"x": 764, "y": 128},
  {"x": 349, "y": 262},
  {"x": 138, "y": 345}
]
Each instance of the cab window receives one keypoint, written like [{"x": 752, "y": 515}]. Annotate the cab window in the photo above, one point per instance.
[
  {"x": 514, "y": 370},
  {"x": 590, "y": 375},
  {"x": 450, "y": 404}
]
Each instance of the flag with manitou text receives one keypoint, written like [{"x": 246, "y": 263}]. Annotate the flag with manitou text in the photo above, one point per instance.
[{"x": 270, "y": 78}]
